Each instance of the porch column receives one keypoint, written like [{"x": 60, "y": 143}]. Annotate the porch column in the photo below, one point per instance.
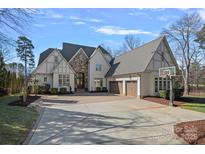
[{"x": 123, "y": 87}]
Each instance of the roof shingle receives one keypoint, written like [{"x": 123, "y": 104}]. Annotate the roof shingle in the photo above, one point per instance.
[{"x": 134, "y": 61}]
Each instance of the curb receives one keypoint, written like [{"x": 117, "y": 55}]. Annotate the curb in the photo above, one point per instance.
[{"x": 40, "y": 110}]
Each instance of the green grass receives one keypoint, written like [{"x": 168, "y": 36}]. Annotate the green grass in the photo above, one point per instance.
[
  {"x": 15, "y": 122},
  {"x": 196, "y": 103}
]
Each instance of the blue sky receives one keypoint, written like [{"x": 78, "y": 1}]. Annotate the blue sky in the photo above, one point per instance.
[{"x": 93, "y": 27}]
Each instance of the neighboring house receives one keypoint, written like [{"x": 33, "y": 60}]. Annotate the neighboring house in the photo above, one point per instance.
[{"x": 80, "y": 67}]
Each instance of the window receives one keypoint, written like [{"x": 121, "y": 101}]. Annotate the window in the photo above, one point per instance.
[
  {"x": 162, "y": 56},
  {"x": 45, "y": 79},
  {"x": 98, "y": 82},
  {"x": 156, "y": 84},
  {"x": 168, "y": 84},
  {"x": 165, "y": 84},
  {"x": 98, "y": 67},
  {"x": 160, "y": 83},
  {"x": 56, "y": 59},
  {"x": 63, "y": 80}
]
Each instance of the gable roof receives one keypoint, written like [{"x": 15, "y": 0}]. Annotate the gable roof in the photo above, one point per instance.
[
  {"x": 103, "y": 50},
  {"x": 134, "y": 61},
  {"x": 70, "y": 49},
  {"x": 44, "y": 55}
]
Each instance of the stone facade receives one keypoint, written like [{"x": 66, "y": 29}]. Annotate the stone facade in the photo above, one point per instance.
[{"x": 80, "y": 65}]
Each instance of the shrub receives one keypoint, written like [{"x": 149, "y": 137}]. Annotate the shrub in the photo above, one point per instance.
[
  {"x": 104, "y": 89},
  {"x": 46, "y": 88},
  {"x": 54, "y": 91},
  {"x": 178, "y": 93},
  {"x": 63, "y": 90},
  {"x": 164, "y": 94},
  {"x": 35, "y": 89},
  {"x": 3, "y": 92},
  {"x": 30, "y": 89},
  {"x": 70, "y": 90},
  {"x": 40, "y": 89},
  {"x": 98, "y": 89}
]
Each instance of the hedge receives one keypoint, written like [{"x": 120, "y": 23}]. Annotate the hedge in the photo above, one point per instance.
[
  {"x": 63, "y": 90},
  {"x": 54, "y": 91},
  {"x": 165, "y": 93}
]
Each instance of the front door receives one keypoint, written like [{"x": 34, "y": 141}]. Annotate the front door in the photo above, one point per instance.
[{"x": 80, "y": 80}]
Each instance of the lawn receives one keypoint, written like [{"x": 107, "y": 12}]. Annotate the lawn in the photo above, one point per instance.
[
  {"x": 15, "y": 121},
  {"x": 196, "y": 103}
]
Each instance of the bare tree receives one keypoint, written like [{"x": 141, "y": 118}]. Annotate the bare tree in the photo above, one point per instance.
[
  {"x": 6, "y": 52},
  {"x": 130, "y": 43},
  {"x": 13, "y": 20},
  {"x": 182, "y": 35}
]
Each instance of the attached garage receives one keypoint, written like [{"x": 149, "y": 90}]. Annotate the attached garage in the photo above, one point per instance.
[
  {"x": 131, "y": 88},
  {"x": 115, "y": 87}
]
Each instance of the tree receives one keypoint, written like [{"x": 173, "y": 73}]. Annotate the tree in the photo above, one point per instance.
[
  {"x": 25, "y": 53},
  {"x": 15, "y": 20},
  {"x": 20, "y": 69},
  {"x": 130, "y": 43},
  {"x": 182, "y": 35},
  {"x": 201, "y": 37},
  {"x": 2, "y": 71}
]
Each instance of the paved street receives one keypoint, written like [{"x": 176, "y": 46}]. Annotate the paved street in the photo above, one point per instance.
[{"x": 107, "y": 119}]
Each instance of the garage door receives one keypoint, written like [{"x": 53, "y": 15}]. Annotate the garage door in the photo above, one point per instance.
[
  {"x": 116, "y": 87},
  {"x": 131, "y": 88}
]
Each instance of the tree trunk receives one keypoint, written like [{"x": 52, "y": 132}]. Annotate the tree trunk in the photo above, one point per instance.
[
  {"x": 186, "y": 83},
  {"x": 25, "y": 82}
]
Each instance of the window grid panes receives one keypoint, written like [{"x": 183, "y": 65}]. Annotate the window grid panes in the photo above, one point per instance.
[
  {"x": 156, "y": 84},
  {"x": 164, "y": 84},
  {"x": 160, "y": 83},
  {"x": 45, "y": 79},
  {"x": 63, "y": 80},
  {"x": 98, "y": 82},
  {"x": 98, "y": 67}
]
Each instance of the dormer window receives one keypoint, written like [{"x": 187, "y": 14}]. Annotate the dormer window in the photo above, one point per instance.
[
  {"x": 56, "y": 59},
  {"x": 98, "y": 67}
]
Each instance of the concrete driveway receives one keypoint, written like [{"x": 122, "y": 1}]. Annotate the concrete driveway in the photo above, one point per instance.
[{"x": 107, "y": 119}]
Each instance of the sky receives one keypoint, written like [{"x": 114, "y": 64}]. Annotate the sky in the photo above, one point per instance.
[{"x": 92, "y": 27}]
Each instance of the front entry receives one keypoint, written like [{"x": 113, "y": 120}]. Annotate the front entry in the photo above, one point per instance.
[{"x": 80, "y": 80}]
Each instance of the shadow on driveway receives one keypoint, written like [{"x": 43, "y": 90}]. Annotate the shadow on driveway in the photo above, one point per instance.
[{"x": 71, "y": 127}]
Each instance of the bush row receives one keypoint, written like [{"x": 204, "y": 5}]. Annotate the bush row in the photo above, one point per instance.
[
  {"x": 3, "y": 92},
  {"x": 165, "y": 93},
  {"x": 47, "y": 90},
  {"x": 100, "y": 89}
]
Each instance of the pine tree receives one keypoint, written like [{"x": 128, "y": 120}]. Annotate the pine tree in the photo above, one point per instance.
[{"x": 25, "y": 53}]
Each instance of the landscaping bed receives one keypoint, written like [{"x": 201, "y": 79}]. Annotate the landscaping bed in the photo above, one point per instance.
[
  {"x": 193, "y": 132},
  {"x": 19, "y": 101},
  {"x": 15, "y": 121},
  {"x": 163, "y": 101}
]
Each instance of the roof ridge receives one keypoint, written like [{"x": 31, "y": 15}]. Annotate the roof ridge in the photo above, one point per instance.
[
  {"x": 161, "y": 37},
  {"x": 78, "y": 44}
]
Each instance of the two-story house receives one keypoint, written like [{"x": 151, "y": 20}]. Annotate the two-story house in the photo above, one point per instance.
[{"x": 84, "y": 68}]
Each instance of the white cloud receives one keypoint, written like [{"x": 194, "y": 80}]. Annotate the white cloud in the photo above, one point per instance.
[
  {"x": 74, "y": 18},
  {"x": 39, "y": 25},
  {"x": 48, "y": 13},
  {"x": 143, "y": 11},
  {"x": 79, "y": 23},
  {"x": 93, "y": 20},
  {"x": 113, "y": 30},
  {"x": 202, "y": 13},
  {"x": 85, "y": 19}
]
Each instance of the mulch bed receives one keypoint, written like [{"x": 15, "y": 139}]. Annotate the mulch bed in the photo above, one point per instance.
[
  {"x": 30, "y": 99},
  {"x": 193, "y": 132},
  {"x": 164, "y": 101}
]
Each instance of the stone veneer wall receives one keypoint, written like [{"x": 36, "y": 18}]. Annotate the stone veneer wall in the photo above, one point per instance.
[{"x": 80, "y": 65}]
